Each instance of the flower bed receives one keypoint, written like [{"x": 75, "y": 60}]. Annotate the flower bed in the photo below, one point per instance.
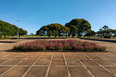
[{"x": 61, "y": 45}]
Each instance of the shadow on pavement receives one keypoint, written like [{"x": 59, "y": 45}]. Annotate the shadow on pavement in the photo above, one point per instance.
[
  {"x": 8, "y": 41},
  {"x": 104, "y": 40},
  {"x": 38, "y": 38},
  {"x": 50, "y": 51}
]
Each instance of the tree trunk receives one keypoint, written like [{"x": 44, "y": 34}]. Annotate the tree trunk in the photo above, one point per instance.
[
  {"x": 4, "y": 36},
  {"x": 59, "y": 34},
  {"x": 66, "y": 35},
  {"x": 55, "y": 36},
  {"x": 78, "y": 35},
  {"x": 7, "y": 36},
  {"x": 48, "y": 36},
  {"x": 69, "y": 35},
  {"x": 19, "y": 36}
]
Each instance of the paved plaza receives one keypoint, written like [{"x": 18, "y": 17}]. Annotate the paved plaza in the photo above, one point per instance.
[{"x": 57, "y": 64}]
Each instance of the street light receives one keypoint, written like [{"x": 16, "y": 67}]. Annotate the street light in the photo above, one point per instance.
[{"x": 17, "y": 29}]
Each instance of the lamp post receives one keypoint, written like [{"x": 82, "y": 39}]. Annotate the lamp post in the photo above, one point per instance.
[{"x": 17, "y": 29}]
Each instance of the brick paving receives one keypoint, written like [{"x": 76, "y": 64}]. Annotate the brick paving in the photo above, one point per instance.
[{"x": 58, "y": 64}]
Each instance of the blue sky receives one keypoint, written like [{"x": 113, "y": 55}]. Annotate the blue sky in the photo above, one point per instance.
[{"x": 33, "y": 14}]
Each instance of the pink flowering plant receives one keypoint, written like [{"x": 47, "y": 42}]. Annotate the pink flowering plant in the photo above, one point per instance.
[{"x": 61, "y": 45}]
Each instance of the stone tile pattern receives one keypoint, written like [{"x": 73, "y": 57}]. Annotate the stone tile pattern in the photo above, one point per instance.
[{"x": 57, "y": 64}]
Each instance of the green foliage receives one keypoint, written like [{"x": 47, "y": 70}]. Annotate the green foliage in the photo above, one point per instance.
[
  {"x": 8, "y": 29},
  {"x": 49, "y": 33},
  {"x": 54, "y": 29},
  {"x": 22, "y": 32},
  {"x": 55, "y": 33},
  {"x": 78, "y": 27},
  {"x": 106, "y": 32},
  {"x": 90, "y": 33}
]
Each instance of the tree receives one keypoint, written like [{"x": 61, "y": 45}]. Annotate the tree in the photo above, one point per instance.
[
  {"x": 65, "y": 30},
  {"x": 105, "y": 27},
  {"x": 57, "y": 27},
  {"x": 54, "y": 29},
  {"x": 78, "y": 27},
  {"x": 32, "y": 34},
  {"x": 7, "y": 29},
  {"x": 22, "y": 32},
  {"x": 90, "y": 33},
  {"x": 39, "y": 32},
  {"x": 100, "y": 33},
  {"x": 113, "y": 32},
  {"x": 55, "y": 33},
  {"x": 49, "y": 33},
  {"x": 105, "y": 30},
  {"x": 73, "y": 29}
]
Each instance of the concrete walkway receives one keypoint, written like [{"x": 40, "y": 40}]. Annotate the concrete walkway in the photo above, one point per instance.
[{"x": 57, "y": 64}]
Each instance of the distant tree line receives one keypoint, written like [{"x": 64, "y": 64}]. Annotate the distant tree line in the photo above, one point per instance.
[
  {"x": 7, "y": 29},
  {"x": 106, "y": 32},
  {"x": 54, "y": 30},
  {"x": 75, "y": 27}
]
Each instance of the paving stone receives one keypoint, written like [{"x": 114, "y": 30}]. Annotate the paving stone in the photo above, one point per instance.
[
  {"x": 68, "y": 53},
  {"x": 70, "y": 57},
  {"x": 79, "y": 72},
  {"x": 10, "y": 56},
  {"x": 33, "y": 56},
  {"x": 78, "y": 53},
  {"x": 93, "y": 56},
  {"x": 89, "y": 63},
  {"x": 58, "y": 57},
  {"x": 112, "y": 69},
  {"x": 37, "y": 72},
  {"x": 38, "y": 53},
  {"x": 104, "y": 62},
  {"x": 100, "y": 72},
  {"x": 73, "y": 62},
  {"x": 1, "y": 61},
  {"x": 48, "y": 53},
  {"x": 105, "y": 56},
  {"x": 3, "y": 69},
  {"x": 28, "y": 53},
  {"x": 21, "y": 56},
  {"x": 58, "y": 53},
  {"x": 46, "y": 57},
  {"x": 112, "y": 56},
  {"x": 81, "y": 56},
  {"x": 43, "y": 62},
  {"x": 1, "y": 56},
  {"x": 114, "y": 61},
  {"x": 27, "y": 62},
  {"x": 58, "y": 72},
  {"x": 12, "y": 62},
  {"x": 1, "y": 53},
  {"x": 58, "y": 62},
  {"x": 17, "y": 71}
]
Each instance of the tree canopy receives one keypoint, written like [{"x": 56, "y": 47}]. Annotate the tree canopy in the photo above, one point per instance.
[
  {"x": 90, "y": 33},
  {"x": 54, "y": 29},
  {"x": 106, "y": 32},
  {"x": 8, "y": 29},
  {"x": 78, "y": 27}
]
